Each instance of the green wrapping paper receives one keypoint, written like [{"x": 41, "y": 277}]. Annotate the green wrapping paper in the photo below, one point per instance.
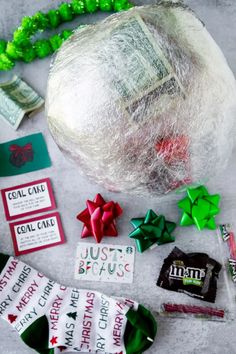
[{"x": 23, "y": 155}]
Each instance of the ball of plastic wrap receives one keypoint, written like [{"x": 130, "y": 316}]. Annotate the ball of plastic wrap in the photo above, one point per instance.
[{"x": 144, "y": 101}]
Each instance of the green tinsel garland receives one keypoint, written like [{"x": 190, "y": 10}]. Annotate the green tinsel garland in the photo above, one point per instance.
[{"x": 21, "y": 47}]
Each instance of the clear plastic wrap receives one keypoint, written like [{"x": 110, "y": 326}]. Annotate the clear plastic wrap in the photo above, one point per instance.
[
  {"x": 222, "y": 247},
  {"x": 144, "y": 101}
]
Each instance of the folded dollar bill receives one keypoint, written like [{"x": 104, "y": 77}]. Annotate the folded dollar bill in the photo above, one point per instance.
[
  {"x": 17, "y": 100},
  {"x": 140, "y": 72}
]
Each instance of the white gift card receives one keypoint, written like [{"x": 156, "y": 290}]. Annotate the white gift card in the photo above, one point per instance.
[
  {"x": 103, "y": 262},
  {"x": 27, "y": 199},
  {"x": 37, "y": 233}
]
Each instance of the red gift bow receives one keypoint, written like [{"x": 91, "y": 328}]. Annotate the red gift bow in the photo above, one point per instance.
[
  {"x": 21, "y": 150},
  {"x": 98, "y": 218}
]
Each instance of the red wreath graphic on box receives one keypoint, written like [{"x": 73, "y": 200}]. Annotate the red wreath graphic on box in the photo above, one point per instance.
[{"x": 21, "y": 154}]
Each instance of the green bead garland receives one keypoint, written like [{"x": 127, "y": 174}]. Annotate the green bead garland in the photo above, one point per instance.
[
  {"x": 105, "y": 5},
  {"x": 54, "y": 18},
  {"x": 55, "y": 42},
  {"x": 42, "y": 48},
  {"x": 21, "y": 47},
  {"x": 91, "y": 5},
  {"x": 67, "y": 33},
  {"x": 12, "y": 51},
  {"x": 5, "y": 62},
  {"x": 29, "y": 55},
  {"x": 65, "y": 11},
  {"x": 78, "y": 7},
  {"x": 3, "y": 46}
]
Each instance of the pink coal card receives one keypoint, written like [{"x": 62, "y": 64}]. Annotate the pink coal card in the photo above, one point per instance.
[
  {"x": 37, "y": 233},
  {"x": 27, "y": 199}
]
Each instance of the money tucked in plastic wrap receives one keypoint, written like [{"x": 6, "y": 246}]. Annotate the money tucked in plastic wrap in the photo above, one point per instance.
[
  {"x": 18, "y": 99},
  {"x": 141, "y": 74}
]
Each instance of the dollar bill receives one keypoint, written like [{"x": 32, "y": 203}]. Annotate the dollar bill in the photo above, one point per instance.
[
  {"x": 17, "y": 100},
  {"x": 139, "y": 72},
  {"x": 144, "y": 105}
]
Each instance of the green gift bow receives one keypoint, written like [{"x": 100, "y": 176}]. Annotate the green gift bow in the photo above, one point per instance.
[
  {"x": 151, "y": 229},
  {"x": 199, "y": 208}
]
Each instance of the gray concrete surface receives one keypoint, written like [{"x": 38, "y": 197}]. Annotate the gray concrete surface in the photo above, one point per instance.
[{"x": 71, "y": 191}]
